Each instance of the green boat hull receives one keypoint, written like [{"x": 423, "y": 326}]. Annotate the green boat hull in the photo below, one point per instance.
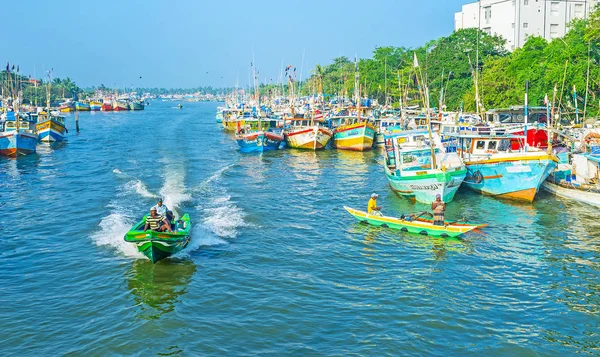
[{"x": 159, "y": 245}]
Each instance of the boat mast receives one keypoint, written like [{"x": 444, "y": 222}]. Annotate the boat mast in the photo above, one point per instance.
[
  {"x": 356, "y": 87},
  {"x": 425, "y": 98}
]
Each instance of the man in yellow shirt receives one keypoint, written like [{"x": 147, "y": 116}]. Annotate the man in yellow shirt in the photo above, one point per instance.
[{"x": 373, "y": 209}]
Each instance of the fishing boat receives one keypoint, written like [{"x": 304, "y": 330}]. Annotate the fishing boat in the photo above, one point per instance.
[
  {"x": 120, "y": 105},
  {"x": 260, "y": 135},
  {"x": 107, "y": 106},
  {"x": 160, "y": 245},
  {"x": 50, "y": 128},
  {"x": 578, "y": 178},
  {"x": 417, "y": 171},
  {"x": 493, "y": 168},
  {"x": 82, "y": 106},
  {"x": 307, "y": 133},
  {"x": 136, "y": 105},
  {"x": 352, "y": 133},
  {"x": 95, "y": 106},
  {"x": 67, "y": 107},
  {"x": 18, "y": 136},
  {"x": 179, "y": 106},
  {"x": 414, "y": 225},
  {"x": 219, "y": 115}
]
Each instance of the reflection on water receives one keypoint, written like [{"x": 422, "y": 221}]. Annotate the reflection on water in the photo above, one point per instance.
[{"x": 157, "y": 288}]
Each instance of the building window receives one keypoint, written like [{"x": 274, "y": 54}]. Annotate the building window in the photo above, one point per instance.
[
  {"x": 487, "y": 14},
  {"x": 513, "y": 25},
  {"x": 526, "y": 2},
  {"x": 487, "y": 30},
  {"x": 553, "y": 30},
  {"x": 525, "y": 25},
  {"x": 579, "y": 10},
  {"x": 554, "y": 8}
]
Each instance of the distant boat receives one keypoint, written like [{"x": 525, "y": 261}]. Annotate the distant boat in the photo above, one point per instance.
[
  {"x": 66, "y": 107},
  {"x": 107, "y": 106},
  {"x": 82, "y": 106},
  {"x": 179, "y": 106},
  {"x": 17, "y": 136},
  {"x": 95, "y": 106},
  {"x": 120, "y": 105},
  {"x": 50, "y": 128},
  {"x": 135, "y": 105}
]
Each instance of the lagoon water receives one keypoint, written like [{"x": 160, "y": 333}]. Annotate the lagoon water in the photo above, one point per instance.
[{"x": 275, "y": 266}]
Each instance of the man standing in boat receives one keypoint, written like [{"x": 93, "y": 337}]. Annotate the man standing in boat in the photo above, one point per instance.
[
  {"x": 163, "y": 211},
  {"x": 373, "y": 209},
  {"x": 439, "y": 207}
]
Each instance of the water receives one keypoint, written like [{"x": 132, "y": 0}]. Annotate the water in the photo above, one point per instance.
[{"x": 275, "y": 266}]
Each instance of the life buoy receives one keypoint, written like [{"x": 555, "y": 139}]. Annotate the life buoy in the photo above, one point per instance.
[{"x": 477, "y": 177}]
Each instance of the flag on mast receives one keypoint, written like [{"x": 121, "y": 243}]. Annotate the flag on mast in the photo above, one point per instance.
[{"x": 416, "y": 60}]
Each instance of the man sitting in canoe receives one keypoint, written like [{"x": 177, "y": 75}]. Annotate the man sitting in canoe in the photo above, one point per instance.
[
  {"x": 156, "y": 222},
  {"x": 439, "y": 207},
  {"x": 373, "y": 209}
]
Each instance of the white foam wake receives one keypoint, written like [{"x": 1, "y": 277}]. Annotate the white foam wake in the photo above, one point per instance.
[
  {"x": 223, "y": 217},
  {"x": 112, "y": 230},
  {"x": 173, "y": 190}
]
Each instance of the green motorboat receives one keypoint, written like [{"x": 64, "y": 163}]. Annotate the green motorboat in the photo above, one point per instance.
[{"x": 160, "y": 245}]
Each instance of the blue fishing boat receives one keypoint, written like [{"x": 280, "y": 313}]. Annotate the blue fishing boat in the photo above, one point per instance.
[
  {"x": 17, "y": 135},
  {"x": 493, "y": 168},
  {"x": 260, "y": 135}
]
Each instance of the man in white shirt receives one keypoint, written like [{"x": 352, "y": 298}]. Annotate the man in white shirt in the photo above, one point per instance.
[{"x": 161, "y": 209}]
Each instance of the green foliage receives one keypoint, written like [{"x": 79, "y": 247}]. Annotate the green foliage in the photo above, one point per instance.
[{"x": 450, "y": 62}]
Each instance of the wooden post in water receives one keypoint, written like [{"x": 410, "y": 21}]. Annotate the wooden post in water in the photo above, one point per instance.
[{"x": 77, "y": 120}]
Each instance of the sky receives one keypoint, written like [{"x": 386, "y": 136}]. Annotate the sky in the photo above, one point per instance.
[{"x": 192, "y": 43}]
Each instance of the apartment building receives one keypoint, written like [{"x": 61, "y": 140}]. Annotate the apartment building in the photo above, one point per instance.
[{"x": 515, "y": 20}]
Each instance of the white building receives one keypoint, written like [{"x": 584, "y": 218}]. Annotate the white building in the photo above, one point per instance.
[{"x": 515, "y": 20}]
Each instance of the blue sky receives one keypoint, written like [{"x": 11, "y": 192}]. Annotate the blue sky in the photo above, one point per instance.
[{"x": 174, "y": 43}]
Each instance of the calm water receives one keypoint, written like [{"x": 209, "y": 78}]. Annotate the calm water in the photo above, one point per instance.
[{"x": 276, "y": 266}]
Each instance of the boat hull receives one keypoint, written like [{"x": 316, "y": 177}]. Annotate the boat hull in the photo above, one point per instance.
[
  {"x": 424, "y": 188},
  {"x": 82, "y": 107},
  {"x": 259, "y": 142},
  {"x": 13, "y": 144},
  {"x": 95, "y": 106},
  {"x": 50, "y": 131},
  {"x": 415, "y": 226},
  {"x": 356, "y": 137},
  {"x": 587, "y": 197},
  {"x": 136, "y": 106},
  {"x": 120, "y": 106},
  {"x": 311, "y": 138},
  {"x": 159, "y": 245},
  {"x": 517, "y": 178},
  {"x": 107, "y": 107}
]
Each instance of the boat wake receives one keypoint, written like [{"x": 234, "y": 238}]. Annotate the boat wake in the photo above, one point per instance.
[
  {"x": 173, "y": 191},
  {"x": 223, "y": 217},
  {"x": 135, "y": 184},
  {"x": 112, "y": 230}
]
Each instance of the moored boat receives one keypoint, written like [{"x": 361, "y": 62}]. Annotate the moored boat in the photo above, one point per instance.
[
  {"x": 136, "y": 105},
  {"x": 107, "y": 106},
  {"x": 414, "y": 225},
  {"x": 82, "y": 106},
  {"x": 493, "y": 168},
  {"x": 120, "y": 105},
  {"x": 417, "y": 172},
  {"x": 95, "y": 106},
  {"x": 352, "y": 133},
  {"x": 159, "y": 245},
  {"x": 305, "y": 133},
  {"x": 18, "y": 136},
  {"x": 50, "y": 128}
]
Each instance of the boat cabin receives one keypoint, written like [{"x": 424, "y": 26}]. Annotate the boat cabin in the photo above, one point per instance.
[{"x": 25, "y": 123}]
